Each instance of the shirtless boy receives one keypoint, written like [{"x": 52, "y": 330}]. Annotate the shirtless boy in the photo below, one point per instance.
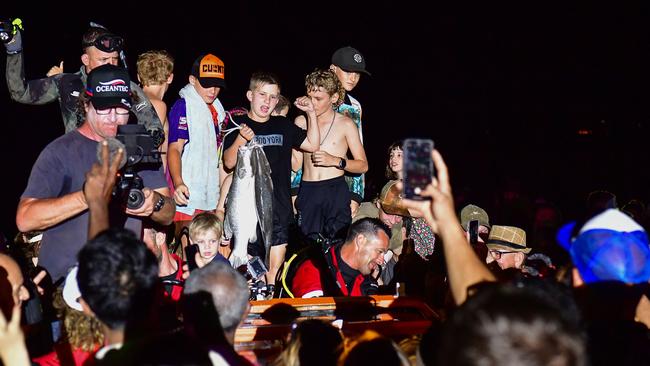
[{"x": 323, "y": 202}]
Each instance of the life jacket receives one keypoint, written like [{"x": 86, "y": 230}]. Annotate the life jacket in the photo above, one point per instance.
[
  {"x": 314, "y": 251},
  {"x": 323, "y": 257}
]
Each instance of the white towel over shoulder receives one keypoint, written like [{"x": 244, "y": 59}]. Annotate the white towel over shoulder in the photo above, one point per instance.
[{"x": 200, "y": 163}]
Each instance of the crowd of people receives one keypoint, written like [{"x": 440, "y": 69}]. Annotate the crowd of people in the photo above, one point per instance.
[{"x": 127, "y": 259}]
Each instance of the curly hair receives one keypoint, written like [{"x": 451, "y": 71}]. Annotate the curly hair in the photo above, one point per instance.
[
  {"x": 327, "y": 80},
  {"x": 81, "y": 331},
  {"x": 155, "y": 67}
]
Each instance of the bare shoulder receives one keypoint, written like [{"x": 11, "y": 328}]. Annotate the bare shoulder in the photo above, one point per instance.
[
  {"x": 301, "y": 122},
  {"x": 345, "y": 121},
  {"x": 160, "y": 107},
  {"x": 157, "y": 103}
]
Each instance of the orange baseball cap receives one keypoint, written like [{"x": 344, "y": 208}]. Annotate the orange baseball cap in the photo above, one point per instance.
[{"x": 209, "y": 70}]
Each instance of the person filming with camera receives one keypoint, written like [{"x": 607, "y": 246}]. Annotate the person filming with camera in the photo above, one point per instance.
[{"x": 54, "y": 199}]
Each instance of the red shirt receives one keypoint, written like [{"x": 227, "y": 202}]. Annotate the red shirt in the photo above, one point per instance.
[
  {"x": 61, "y": 354},
  {"x": 308, "y": 279},
  {"x": 176, "y": 291}
]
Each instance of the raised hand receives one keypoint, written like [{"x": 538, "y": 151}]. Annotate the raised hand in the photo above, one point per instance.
[
  {"x": 100, "y": 180},
  {"x": 304, "y": 104},
  {"x": 12, "y": 340},
  {"x": 55, "y": 70},
  {"x": 464, "y": 267},
  {"x": 439, "y": 209}
]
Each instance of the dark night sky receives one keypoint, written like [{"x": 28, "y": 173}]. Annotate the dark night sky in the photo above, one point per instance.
[{"x": 501, "y": 89}]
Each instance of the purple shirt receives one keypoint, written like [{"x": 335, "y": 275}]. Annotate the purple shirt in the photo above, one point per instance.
[{"x": 178, "y": 122}]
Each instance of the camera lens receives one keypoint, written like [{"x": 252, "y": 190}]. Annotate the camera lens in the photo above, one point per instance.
[{"x": 135, "y": 199}]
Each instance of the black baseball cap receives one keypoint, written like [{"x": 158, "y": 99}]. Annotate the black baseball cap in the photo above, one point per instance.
[
  {"x": 210, "y": 71},
  {"x": 109, "y": 86},
  {"x": 350, "y": 60}
]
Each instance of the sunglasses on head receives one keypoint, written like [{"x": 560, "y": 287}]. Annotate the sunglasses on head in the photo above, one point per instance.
[{"x": 107, "y": 43}]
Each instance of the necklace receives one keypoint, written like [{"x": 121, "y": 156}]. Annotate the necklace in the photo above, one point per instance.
[{"x": 329, "y": 129}]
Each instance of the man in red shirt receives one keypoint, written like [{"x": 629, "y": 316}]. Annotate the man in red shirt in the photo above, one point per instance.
[{"x": 346, "y": 269}]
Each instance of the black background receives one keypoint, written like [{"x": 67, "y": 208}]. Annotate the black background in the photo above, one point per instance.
[{"x": 502, "y": 89}]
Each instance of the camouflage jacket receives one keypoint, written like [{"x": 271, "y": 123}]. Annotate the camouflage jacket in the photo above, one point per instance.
[{"x": 66, "y": 88}]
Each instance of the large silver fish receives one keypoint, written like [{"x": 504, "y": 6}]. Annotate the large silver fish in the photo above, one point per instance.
[{"x": 250, "y": 201}]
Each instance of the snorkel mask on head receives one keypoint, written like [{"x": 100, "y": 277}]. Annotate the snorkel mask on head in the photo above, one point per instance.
[{"x": 108, "y": 42}]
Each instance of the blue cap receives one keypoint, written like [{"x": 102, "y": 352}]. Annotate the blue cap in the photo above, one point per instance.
[{"x": 612, "y": 247}]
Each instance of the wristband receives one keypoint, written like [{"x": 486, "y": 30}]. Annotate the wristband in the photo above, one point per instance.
[
  {"x": 159, "y": 205},
  {"x": 242, "y": 136}
]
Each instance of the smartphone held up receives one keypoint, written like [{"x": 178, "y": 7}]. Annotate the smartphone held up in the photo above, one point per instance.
[
  {"x": 418, "y": 167},
  {"x": 472, "y": 229}
]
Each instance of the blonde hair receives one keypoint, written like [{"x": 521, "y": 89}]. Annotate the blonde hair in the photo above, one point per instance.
[
  {"x": 327, "y": 80},
  {"x": 203, "y": 222},
  {"x": 155, "y": 67},
  {"x": 81, "y": 331},
  {"x": 379, "y": 342}
]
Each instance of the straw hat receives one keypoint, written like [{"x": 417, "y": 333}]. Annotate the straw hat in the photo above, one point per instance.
[{"x": 509, "y": 238}]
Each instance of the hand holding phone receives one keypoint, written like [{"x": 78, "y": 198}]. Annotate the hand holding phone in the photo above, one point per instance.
[
  {"x": 472, "y": 229},
  {"x": 417, "y": 167},
  {"x": 190, "y": 256}
]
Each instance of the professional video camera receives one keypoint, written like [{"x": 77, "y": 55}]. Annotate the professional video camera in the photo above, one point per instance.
[{"x": 141, "y": 152}]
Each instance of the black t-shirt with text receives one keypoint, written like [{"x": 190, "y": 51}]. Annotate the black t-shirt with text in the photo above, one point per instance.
[{"x": 278, "y": 136}]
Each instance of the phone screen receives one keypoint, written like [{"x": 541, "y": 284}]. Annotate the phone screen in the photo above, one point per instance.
[
  {"x": 472, "y": 229},
  {"x": 418, "y": 166},
  {"x": 256, "y": 267},
  {"x": 190, "y": 256}
]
